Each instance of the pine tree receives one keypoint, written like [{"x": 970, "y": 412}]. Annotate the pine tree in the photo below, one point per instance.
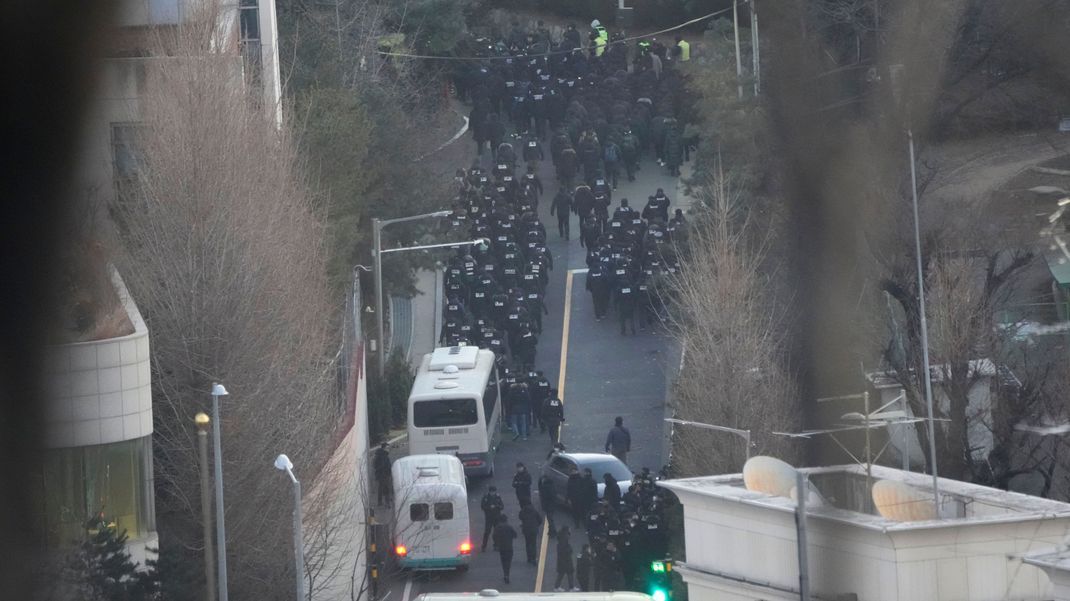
[{"x": 109, "y": 572}]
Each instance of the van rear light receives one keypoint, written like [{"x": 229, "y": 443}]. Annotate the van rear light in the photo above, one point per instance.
[
  {"x": 473, "y": 463},
  {"x": 465, "y": 548},
  {"x": 401, "y": 550}
]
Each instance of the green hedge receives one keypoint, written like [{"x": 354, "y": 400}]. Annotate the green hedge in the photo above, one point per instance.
[{"x": 388, "y": 398}]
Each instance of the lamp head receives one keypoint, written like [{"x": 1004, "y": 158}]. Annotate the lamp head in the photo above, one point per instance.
[
  {"x": 283, "y": 463},
  {"x": 202, "y": 421},
  {"x": 218, "y": 390}
]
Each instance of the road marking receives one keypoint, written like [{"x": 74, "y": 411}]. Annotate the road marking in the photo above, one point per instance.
[
  {"x": 408, "y": 589},
  {"x": 460, "y": 132},
  {"x": 561, "y": 395},
  {"x": 564, "y": 340}
]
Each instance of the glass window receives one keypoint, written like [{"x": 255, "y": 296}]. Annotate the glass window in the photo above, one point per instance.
[
  {"x": 562, "y": 465},
  {"x": 615, "y": 468},
  {"x": 418, "y": 512},
  {"x": 127, "y": 158},
  {"x": 443, "y": 511},
  {"x": 444, "y": 413},
  {"x": 126, "y": 150},
  {"x": 249, "y": 20},
  {"x": 109, "y": 482}
]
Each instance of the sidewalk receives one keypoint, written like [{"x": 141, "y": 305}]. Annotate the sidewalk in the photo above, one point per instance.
[{"x": 426, "y": 315}]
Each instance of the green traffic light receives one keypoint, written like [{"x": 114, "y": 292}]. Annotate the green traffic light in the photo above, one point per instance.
[
  {"x": 659, "y": 595},
  {"x": 657, "y": 566}
]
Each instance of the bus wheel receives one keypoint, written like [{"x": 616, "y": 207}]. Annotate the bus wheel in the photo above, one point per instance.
[{"x": 461, "y": 569}]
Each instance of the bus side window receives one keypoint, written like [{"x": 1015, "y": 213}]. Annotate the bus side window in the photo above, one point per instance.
[
  {"x": 490, "y": 398},
  {"x": 443, "y": 511},
  {"x": 418, "y": 512}
]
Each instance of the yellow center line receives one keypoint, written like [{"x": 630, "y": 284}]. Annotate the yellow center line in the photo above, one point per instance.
[{"x": 560, "y": 395}]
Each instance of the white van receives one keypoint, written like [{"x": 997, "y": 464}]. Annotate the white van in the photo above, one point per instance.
[
  {"x": 489, "y": 594},
  {"x": 431, "y": 528}
]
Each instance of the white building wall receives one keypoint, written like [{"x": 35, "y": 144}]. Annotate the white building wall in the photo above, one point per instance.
[
  {"x": 338, "y": 501},
  {"x": 269, "y": 50},
  {"x": 737, "y": 548},
  {"x": 100, "y": 392}
]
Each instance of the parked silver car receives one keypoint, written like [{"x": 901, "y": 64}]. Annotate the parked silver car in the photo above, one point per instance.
[{"x": 560, "y": 466}]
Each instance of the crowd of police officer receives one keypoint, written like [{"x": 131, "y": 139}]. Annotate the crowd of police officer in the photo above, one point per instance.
[
  {"x": 600, "y": 118},
  {"x": 625, "y": 530}
]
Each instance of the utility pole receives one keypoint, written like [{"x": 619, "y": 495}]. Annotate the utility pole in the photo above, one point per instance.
[
  {"x": 739, "y": 59},
  {"x": 755, "y": 46},
  {"x": 377, "y": 229},
  {"x": 220, "y": 524},
  {"x": 202, "y": 422},
  {"x": 801, "y": 491},
  {"x": 927, "y": 376}
]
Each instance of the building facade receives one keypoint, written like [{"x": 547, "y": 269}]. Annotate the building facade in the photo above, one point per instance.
[
  {"x": 98, "y": 459},
  {"x": 742, "y": 545},
  {"x": 98, "y": 456},
  {"x": 247, "y": 30}
]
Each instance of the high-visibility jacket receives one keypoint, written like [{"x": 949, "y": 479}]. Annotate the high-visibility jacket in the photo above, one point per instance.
[
  {"x": 599, "y": 46},
  {"x": 602, "y": 33},
  {"x": 685, "y": 50}
]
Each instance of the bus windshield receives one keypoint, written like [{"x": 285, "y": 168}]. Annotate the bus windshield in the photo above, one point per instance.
[{"x": 444, "y": 412}]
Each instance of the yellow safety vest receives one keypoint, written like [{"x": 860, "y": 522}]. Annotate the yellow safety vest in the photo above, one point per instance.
[
  {"x": 602, "y": 33},
  {"x": 599, "y": 46},
  {"x": 685, "y": 50}
]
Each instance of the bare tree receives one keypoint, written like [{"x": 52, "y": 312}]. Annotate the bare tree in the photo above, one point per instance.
[
  {"x": 225, "y": 254},
  {"x": 972, "y": 266},
  {"x": 732, "y": 335}
]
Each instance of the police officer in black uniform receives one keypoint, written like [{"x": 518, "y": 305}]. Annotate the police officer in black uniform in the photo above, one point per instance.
[
  {"x": 493, "y": 508},
  {"x": 553, "y": 414},
  {"x": 562, "y": 206}
]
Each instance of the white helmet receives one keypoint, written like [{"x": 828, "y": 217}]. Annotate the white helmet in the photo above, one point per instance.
[{"x": 595, "y": 24}]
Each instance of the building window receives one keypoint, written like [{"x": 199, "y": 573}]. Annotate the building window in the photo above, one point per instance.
[
  {"x": 127, "y": 157},
  {"x": 110, "y": 482},
  {"x": 250, "y": 41}
]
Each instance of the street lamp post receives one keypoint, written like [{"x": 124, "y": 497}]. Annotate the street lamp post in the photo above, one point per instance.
[
  {"x": 202, "y": 422},
  {"x": 927, "y": 376},
  {"x": 283, "y": 463},
  {"x": 377, "y": 240},
  {"x": 220, "y": 526},
  {"x": 744, "y": 434},
  {"x": 739, "y": 59}
]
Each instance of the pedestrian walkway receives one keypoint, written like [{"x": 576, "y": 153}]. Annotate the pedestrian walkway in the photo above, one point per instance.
[
  {"x": 415, "y": 321},
  {"x": 400, "y": 325}
]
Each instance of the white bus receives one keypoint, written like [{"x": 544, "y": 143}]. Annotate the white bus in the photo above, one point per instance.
[
  {"x": 455, "y": 407},
  {"x": 431, "y": 528}
]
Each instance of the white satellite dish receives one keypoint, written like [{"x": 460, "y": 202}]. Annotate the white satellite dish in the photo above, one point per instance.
[
  {"x": 769, "y": 475},
  {"x": 772, "y": 476},
  {"x": 901, "y": 502}
]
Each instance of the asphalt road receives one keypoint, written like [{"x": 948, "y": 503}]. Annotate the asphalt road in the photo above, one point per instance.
[{"x": 605, "y": 375}]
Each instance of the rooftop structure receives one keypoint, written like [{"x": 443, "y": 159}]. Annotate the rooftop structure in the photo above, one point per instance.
[
  {"x": 985, "y": 377},
  {"x": 742, "y": 544}
]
